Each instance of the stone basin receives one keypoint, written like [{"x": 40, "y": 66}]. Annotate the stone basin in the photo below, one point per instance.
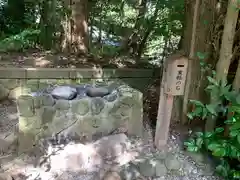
[{"x": 77, "y": 111}]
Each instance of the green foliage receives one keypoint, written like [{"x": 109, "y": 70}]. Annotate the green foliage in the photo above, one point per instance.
[
  {"x": 223, "y": 146},
  {"x": 158, "y": 27},
  {"x": 20, "y": 42}
]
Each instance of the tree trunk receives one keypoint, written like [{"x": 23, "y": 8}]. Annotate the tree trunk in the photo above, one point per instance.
[
  {"x": 194, "y": 88},
  {"x": 47, "y": 23},
  {"x": 133, "y": 39},
  {"x": 100, "y": 24},
  {"x": 76, "y": 27},
  {"x": 225, "y": 51},
  {"x": 150, "y": 25}
]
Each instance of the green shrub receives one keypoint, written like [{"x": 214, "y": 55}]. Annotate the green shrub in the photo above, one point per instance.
[
  {"x": 20, "y": 42},
  {"x": 224, "y": 141}
]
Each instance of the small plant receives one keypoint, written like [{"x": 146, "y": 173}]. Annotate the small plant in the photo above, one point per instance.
[
  {"x": 19, "y": 42},
  {"x": 224, "y": 141}
]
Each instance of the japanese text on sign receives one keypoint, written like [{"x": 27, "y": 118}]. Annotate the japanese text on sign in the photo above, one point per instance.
[{"x": 179, "y": 79}]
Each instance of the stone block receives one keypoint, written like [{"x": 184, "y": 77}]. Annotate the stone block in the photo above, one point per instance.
[
  {"x": 32, "y": 84},
  {"x": 3, "y": 92},
  {"x": 80, "y": 106},
  {"x": 97, "y": 105},
  {"x": 47, "y": 114},
  {"x": 17, "y": 92},
  {"x": 10, "y": 83},
  {"x": 62, "y": 104},
  {"x": 25, "y": 106},
  {"x": 47, "y": 100}
]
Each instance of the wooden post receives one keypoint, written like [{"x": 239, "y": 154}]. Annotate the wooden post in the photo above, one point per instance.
[{"x": 172, "y": 84}]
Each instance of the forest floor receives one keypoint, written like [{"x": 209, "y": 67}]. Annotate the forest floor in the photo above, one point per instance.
[
  {"x": 48, "y": 59},
  {"x": 173, "y": 163}
]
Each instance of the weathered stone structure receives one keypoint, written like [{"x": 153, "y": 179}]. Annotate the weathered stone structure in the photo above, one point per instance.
[{"x": 42, "y": 113}]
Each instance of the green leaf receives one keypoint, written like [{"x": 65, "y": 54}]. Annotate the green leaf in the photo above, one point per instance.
[
  {"x": 199, "y": 134},
  {"x": 205, "y": 22},
  {"x": 233, "y": 152},
  {"x": 234, "y": 133},
  {"x": 214, "y": 72},
  {"x": 198, "y": 111},
  {"x": 213, "y": 146},
  {"x": 201, "y": 55},
  {"x": 235, "y": 126},
  {"x": 211, "y": 108},
  {"x": 190, "y": 116},
  {"x": 235, "y": 109},
  {"x": 236, "y": 174},
  {"x": 208, "y": 134},
  {"x": 222, "y": 170},
  {"x": 202, "y": 63},
  {"x": 210, "y": 87},
  {"x": 228, "y": 122},
  {"x": 220, "y": 152},
  {"x": 199, "y": 142},
  {"x": 197, "y": 103},
  {"x": 219, "y": 130},
  {"x": 192, "y": 148},
  {"x": 204, "y": 113},
  {"x": 188, "y": 144},
  {"x": 213, "y": 81}
]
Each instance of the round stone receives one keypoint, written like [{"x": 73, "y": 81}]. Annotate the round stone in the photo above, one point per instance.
[
  {"x": 82, "y": 89},
  {"x": 97, "y": 92},
  {"x": 64, "y": 92},
  {"x": 97, "y": 105}
]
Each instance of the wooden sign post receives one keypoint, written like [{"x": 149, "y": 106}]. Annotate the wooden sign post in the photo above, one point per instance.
[{"x": 173, "y": 83}]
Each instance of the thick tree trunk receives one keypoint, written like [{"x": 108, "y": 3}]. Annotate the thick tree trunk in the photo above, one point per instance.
[
  {"x": 76, "y": 27},
  {"x": 194, "y": 85}
]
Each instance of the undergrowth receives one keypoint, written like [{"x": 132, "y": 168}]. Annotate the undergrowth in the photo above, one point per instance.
[
  {"x": 27, "y": 39},
  {"x": 224, "y": 142}
]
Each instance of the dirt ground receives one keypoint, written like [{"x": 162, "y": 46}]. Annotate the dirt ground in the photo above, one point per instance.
[{"x": 47, "y": 59}]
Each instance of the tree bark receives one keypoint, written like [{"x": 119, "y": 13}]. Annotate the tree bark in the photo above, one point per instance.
[
  {"x": 225, "y": 52},
  {"x": 47, "y": 23},
  {"x": 76, "y": 27},
  {"x": 194, "y": 84},
  {"x": 191, "y": 56}
]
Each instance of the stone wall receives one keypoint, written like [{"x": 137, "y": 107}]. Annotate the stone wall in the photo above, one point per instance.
[{"x": 43, "y": 116}]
